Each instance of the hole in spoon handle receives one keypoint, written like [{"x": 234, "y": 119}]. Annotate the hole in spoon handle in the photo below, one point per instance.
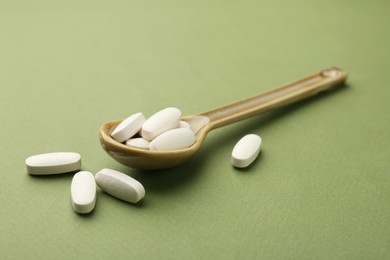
[{"x": 277, "y": 97}]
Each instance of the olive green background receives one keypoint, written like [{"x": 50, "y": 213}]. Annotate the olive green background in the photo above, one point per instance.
[{"x": 320, "y": 188}]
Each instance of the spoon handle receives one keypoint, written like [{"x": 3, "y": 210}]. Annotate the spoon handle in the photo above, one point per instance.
[{"x": 277, "y": 97}]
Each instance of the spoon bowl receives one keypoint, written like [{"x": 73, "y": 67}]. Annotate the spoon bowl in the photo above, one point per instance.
[
  {"x": 203, "y": 123},
  {"x": 149, "y": 159}
]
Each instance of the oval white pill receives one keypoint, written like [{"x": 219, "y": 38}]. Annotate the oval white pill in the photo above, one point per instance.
[
  {"x": 246, "y": 150},
  {"x": 128, "y": 127},
  {"x": 184, "y": 124},
  {"x": 83, "y": 192},
  {"x": 139, "y": 143},
  {"x": 120, "y": 185},
  {"x": 160, "y": 122},
  {"x": 174, "y": 139},
  {"x": 53, "y": 163}
]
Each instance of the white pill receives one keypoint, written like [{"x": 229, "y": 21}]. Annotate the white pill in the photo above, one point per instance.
[
  {"x": 128, "y": 127},
  {"x": 184, "y": 124},
  {"x": 246, "y": 150},
  {"x": 139, "y": 143},
  {"x": 120, "y": 185},
  {"x": 160, "y": 122},
  {"x": 53, "y": 163},
  {"x": 83, "y": 192},
  {"x": 174, "y": 139}
]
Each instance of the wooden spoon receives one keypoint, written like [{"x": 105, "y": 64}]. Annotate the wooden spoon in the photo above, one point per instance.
[{"x": 203, "y": 123}]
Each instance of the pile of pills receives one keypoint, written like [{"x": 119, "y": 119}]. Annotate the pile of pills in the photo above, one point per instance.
[
  {"x": 162, "y": 131},
  {"x": 83, "y": 186},
  {"x": 165, "y": 131}
]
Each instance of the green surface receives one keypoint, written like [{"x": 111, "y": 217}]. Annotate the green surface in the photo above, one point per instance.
[{"x": 319, "y": 190}]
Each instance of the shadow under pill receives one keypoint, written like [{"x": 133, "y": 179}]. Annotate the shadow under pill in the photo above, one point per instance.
[
  {"x": 140, "y": 204},
  {"x": 255, "y": 164},
  {"x": 87, "y": 215},
  {"x": 58, "y": 176}
]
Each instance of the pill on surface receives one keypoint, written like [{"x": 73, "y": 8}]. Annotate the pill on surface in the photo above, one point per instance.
[
  {"x": 120, "y": 185},
  {"x": 174, "y": 139},
  {"x": 246, "y": 150},
  {"x": 160, "y": 122},
  {"x": 53, "y": 163},
  {"x": 83, "y": 192},
  {"x": 139, "y": 143},
  {"x": 128, "y": 127}
]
